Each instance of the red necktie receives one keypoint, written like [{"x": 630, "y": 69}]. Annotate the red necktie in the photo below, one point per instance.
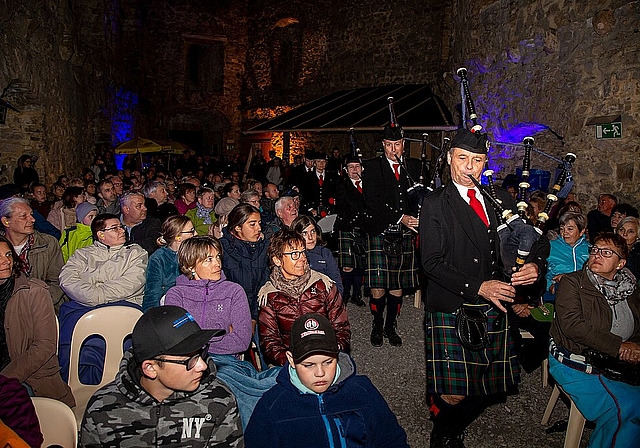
[
  {"x": 321, "y": 180},
  {"x": 477, "y": 206},
  {"x": 359, "y": 185},
  {"x": 396, "y": 170}
]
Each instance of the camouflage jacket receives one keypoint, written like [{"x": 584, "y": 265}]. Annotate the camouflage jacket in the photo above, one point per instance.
[{"x": 123, "y": 414}]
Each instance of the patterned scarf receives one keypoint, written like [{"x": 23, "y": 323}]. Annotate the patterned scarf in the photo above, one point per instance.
[
  {"x": 6, "y": 289},
  {"x": 293, "y": 288},
  {"x": 204, "y": 213},
  {"x": 24, "y": 255},
  {"x": 616, "y": 290}
]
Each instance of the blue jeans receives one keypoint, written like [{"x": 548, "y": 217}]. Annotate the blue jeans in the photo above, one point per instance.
[
  {"x": 613, "y": 405},
  {"x": 246, "y": 383}
]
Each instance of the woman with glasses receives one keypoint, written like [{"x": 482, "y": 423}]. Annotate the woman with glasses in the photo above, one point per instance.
[
  {"x": 163, "y": 269},
  {"x": 629, "y": 229},
  {"x": 203, "y": 215},
  {"x": 599, "y": 308},
  {"x": 294, "y": 289},
  {"x": 319, "y": 257}
]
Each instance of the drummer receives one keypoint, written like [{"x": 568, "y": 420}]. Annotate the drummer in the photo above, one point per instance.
[{"x": 389, "y": 272}]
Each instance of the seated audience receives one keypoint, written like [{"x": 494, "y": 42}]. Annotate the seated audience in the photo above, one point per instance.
[
  {"x": 28, "y": 333},
  {"x": 79, "y": 235},
  {"x": 203, "y": 216},
  {"x": 629, "y": 229},
  {"x": 204, "y": 291},
  {"x": 24, "y": 176},
  {"x": 39, "y": 200},
  {"x": 599, "y": 308},
  {"x": 107, "y": 197},
  {"x": 599, "y": 220},
  {"x": 222, "y": 209},
  {"x": 186, "y": 199},
  {"x": 63, "y": 213},
  {"x": 166, "y": 392},
  {"x": 319, "y": 257},
  {"x": 109, "y": 270},
  {"x": 319, "y": 400},
  {"x": 163, "y": 270},
  {"x": 156, "y": 200},
  {"x": 140, "y": 228},
  {"x": 621, "y": 211},
  {"x": 40, "y": 252},
  {"x": 294, "y": 289},
  {"x": 286, "y": 211},
  {"x": 18, "y": 414},
  {"x": 568, "y": 253}
]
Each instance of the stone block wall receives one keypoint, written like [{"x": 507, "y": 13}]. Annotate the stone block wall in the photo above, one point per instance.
[{"x": 551, "y": 66}]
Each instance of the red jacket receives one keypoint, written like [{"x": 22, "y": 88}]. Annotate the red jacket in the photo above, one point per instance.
[{"x": 278, "y": 311}]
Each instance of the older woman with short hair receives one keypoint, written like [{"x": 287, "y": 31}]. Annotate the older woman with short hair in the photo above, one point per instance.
[
  {"x": 294, "y": 289},
  {"x": 598, "y": 308},
  {"x": 203, "y": 216},
  {"x": 629, "y": 229}
]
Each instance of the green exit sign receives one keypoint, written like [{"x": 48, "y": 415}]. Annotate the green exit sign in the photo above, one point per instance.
[{"x": 609, "y": 130}]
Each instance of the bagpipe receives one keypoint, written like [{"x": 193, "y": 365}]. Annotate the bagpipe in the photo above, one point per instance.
[{"x": 516, "y": 232}]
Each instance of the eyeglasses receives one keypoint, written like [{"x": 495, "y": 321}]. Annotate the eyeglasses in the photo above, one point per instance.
[
  {"x": 605, "y": 253},
  {"x": 192, "y": 231},
  {"x": 121, "y": 226},
  {"x": 191, "y": 362},
  {"x": 294, "y": 254}
]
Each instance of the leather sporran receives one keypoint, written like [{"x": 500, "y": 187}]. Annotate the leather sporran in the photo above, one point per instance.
[
  {"x": 471, "y": 328},
  {"x": 613, "y": 368},
  {"x": 392, "y": 242},
  {"x": 359, "y": 246}
]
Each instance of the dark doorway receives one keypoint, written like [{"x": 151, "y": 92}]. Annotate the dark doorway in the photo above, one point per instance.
[{"x": 194, "y": 139}]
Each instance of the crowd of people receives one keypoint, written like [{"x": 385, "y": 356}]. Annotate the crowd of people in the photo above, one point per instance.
[{"x": 245, "y": 280}]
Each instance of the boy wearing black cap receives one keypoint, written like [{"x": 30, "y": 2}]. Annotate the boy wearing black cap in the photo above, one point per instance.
[
  {"x": 166, "y": 392},
  {"x": 460, "y": 252},
  {"x": 319, "y": 401}
]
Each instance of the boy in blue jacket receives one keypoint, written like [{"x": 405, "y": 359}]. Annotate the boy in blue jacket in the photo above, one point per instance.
[{"x": 319, "y": 401}]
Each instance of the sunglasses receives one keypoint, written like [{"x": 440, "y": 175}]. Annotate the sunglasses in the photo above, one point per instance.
[{"x": 191, "y": 362}]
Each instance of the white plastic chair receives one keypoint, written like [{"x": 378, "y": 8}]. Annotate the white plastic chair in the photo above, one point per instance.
[
  {"x": 576, "y": 419},
  {"x": 114, "y": 324},
  {"x": 57, "y": 422}
]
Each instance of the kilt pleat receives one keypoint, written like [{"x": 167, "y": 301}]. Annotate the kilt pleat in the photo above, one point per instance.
[
  {"x": 452, "y": 369},
  {"x": 347, "y": 257},
  {"x": 391, "y": 272}
]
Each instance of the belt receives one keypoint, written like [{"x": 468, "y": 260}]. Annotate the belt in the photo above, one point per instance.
[{"x": 564, "y": 356}]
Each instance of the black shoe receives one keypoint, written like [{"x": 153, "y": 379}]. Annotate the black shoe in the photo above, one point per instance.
[
  {"x": 377, "y": 333},
  {"x": 394, "y": 338},
  {"x": 357, "y": 300}
]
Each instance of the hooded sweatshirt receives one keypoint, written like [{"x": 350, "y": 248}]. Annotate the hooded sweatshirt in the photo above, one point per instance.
[{"x": 216, "y": 304}]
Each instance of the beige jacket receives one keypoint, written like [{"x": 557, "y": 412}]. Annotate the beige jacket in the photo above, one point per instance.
[{"x": 30, "y": 326}]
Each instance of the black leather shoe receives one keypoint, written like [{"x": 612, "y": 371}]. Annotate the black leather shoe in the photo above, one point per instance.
[
  {"x": 357, "y": 300},
  {"x": 394, "y": 338},
  {"x": 377, "y": 335}
]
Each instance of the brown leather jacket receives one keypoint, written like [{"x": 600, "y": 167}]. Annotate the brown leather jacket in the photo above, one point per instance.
[
  {"x": 278, "y": 311},
  {"x": 583, "y": 317},
  {"x": 30, "y": 326}
]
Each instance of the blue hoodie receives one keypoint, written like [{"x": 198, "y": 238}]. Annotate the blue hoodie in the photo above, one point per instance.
[{"x": 351, "y": 413}]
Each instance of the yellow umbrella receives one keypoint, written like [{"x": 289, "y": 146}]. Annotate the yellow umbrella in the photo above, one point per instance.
[
  {"x": 172, "y": 147},
  {"x": 138, "y": 145}
]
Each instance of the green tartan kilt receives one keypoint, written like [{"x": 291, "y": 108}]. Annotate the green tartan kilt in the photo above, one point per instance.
[
  {"x": 391, "y": 272},
  {"x": 452, "y": 369},
  {"x": 347, "y": 257}
]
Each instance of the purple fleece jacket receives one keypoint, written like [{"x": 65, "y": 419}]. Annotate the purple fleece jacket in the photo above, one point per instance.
[{"x": 216, "y": 304}]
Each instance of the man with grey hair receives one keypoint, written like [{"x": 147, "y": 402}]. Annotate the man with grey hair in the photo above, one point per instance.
[
  {"x": 40, "y": 252},
  {"x": 286, "y": 212},
  {"x": 156, "y": 196},
  {"x": 141, "y": 229}
]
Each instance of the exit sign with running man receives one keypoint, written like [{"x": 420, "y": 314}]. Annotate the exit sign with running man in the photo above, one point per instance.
[{"x": 609, "y": 130}]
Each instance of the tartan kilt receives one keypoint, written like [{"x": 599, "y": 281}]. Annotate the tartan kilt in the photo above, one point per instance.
[
  {"x": 347, "y": 257},
  {"x": 391, "y": 272},
  {"x": 452, "y": 369}
]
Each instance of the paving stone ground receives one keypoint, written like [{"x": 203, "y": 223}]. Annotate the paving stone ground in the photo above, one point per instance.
[{"x": 399, "y": 374}]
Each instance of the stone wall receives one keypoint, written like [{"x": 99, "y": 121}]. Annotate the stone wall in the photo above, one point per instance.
[{"x": 551, "y": 66}]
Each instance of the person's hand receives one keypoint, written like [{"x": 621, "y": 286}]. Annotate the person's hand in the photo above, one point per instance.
[
  {"x": 526, "y": 275},
  {"x": 521, "y": 309},
  {"x": 496, "y": 292},
  {"x": 630, "y": 352},
  {"x": 410, "y": 222}
]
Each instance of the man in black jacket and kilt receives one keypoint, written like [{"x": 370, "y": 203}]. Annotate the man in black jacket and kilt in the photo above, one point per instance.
[
  {"x": 391, "y": 265},
  {"x": 460, "y": 253}
]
